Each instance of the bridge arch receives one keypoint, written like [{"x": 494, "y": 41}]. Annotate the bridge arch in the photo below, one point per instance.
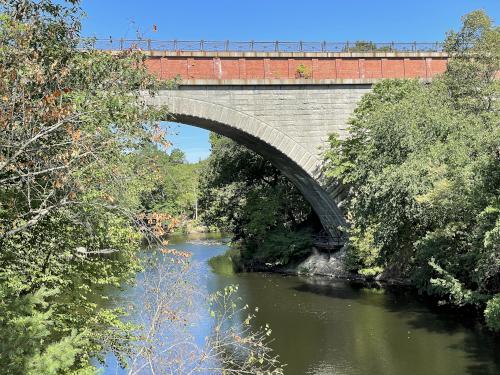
[
  {"x": 299, "y": 165},
  {"x": 282, "y": 103}
]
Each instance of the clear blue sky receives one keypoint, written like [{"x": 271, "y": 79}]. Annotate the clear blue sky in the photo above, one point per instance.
[{"x": 333, "y": 20}]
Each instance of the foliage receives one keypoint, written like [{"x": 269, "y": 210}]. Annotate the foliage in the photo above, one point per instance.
[
  {"x": 166, "y": 343},
  {"x": 75, "y": 136},
  {"x": 366, "y": 46},
  {"x": 171, "y": 188},
  {"x": 303, "y": 71},
  {"x": 29, "y": 321},
  {"x": 492, "y": 313},
  {"x": 366, "y": 253},
  {"x": 278, "y": 247},
  {"x": 240, "y": 348},
  {"x": 422, "y": 168},
  {"x": 69, "y": 118},
  {"x": 167, "y": 287},
  {"x": 244, "y": 194}
]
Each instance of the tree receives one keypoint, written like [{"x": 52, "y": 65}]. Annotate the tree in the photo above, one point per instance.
[
  {"x": 172, "y": 186},
  {"x": 246, "y": 195},
  {"x": 366, "y": 46},
  {"x": 165, "y": 345},
  {"x": 422, "y": 167},
  {"x": 177, "y": 156},
  {"x": 75, "y": 139},
  {"x": 69, "y": 115}
]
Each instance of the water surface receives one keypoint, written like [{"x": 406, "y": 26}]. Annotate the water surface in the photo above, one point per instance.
[{"x": 323, "y": 326}]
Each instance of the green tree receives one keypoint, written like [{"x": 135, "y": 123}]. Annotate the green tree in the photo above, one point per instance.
[
  {"x": 366, "y": 46},
  {"x": 79, "y": 151},
  {"x": 177, "y": 156},
  {"x": 68, "y": 119},
  {"x": 170, "y": 186},
  {"x": 242, "y": 193},
  {"x": 422, "y": 167}
]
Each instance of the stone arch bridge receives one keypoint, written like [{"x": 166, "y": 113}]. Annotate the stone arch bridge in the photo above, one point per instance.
[{"x": 281, "y": 102}]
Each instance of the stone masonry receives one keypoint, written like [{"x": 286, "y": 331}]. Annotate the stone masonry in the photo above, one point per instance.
[
  {"x": 287, "y": 121},
  {"x": 289, "y": 125}
]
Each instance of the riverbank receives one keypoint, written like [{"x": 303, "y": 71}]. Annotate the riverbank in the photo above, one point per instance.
[
  {"x": 332, "y": 265},
  {"x": 329, "y": 268},
  {"x": 317, "y": 263}
]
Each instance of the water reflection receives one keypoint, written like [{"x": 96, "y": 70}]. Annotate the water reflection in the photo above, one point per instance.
[{"x": 322, "y": 326}]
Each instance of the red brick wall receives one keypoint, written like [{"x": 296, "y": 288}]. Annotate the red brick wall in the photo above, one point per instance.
[
  {"x": 230, "y": 68},
  {"x": 286, "y": 68}
]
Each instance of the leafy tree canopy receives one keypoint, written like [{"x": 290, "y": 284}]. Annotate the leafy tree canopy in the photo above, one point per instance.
[
  {"x": 244, "y": 194},
  {"x": 69, "y": 118},
  {"x": 422, "y": 168}
]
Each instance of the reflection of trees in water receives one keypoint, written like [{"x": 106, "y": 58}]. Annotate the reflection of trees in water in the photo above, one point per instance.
[
  {"x": 298, "y": 339},
  {"x": 170, "y": 302},
  {"x": 387, "y": 331},
  {"x": 327, "y": 326}
]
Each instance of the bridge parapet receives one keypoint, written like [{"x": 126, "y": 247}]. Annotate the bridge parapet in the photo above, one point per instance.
[
  {"x": 264, "y": 68},
  {"x": 284, "y": 63}
]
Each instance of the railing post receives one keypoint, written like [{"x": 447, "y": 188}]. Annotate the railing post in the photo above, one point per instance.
[
  {"x": 202, "y": 45},
  {"x": 347, "y": 48},
  {"x": 323, "y": 46},
  {"x": 149, "y": 44},
  {"x": 226, "y": 46},
  {"x": 415, "y": 46},
  {"x": 121, "y": 44},
  {"x": 276, "y": 46},
  {"x": 175, "y": 45},
  {"x": 301, "y": 46},
  {"x": 251, "y": 45},
  {"x": 392, "y": 46}
]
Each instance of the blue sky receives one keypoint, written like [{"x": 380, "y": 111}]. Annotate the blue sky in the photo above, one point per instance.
[{"x": 333, "y": 20}]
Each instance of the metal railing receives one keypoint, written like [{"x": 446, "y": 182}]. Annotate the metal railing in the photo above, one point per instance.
[
  {"x": 258, "y": 46},
  {"x": 324, "y": 240}
]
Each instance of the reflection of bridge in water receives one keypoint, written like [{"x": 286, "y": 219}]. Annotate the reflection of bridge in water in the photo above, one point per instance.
[{"x": 281, "y": 99}]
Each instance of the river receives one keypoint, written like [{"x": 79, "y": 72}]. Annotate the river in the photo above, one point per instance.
[{"x": 325, "y": 326}]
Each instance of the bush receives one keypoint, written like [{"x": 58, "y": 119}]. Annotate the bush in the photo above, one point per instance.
[
  {"x": 492, "y": 313},
  {"x": 279, "y": 247},
  {"x": 246, "y": 195}
]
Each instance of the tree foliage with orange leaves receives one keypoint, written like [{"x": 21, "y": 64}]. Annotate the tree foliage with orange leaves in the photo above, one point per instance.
[
  {"x": 65, "y": 111},
  {"x": 69, "y": 116},
  {"x": 74, "y": 164}
]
